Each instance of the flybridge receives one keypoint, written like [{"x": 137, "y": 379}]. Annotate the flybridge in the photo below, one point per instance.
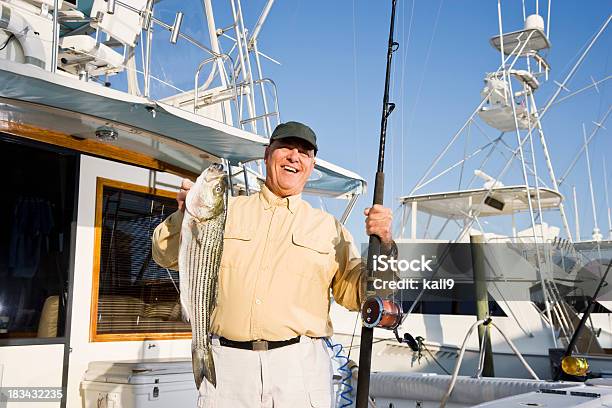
[
  {"x": 228, "y": 114},
  {"x": 172, "y": 135}
]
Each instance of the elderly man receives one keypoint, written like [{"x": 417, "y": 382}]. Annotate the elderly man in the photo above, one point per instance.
[{"x": 280, "y": 259}]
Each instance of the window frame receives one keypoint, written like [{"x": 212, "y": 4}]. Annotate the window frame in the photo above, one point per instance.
[
  {"x": 102, "y": 182},
  {"x": 7, "y": 136}
]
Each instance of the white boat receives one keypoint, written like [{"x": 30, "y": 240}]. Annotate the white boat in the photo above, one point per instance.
[
  {"x": 90, "y": 169},
  {"x": 541, "y": 261}
]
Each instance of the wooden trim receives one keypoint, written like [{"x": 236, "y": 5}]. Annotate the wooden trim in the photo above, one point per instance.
[
  {"x": 135, "y": 188},
  {"x": 90, "y": 146},
  {"x": 95, "y": 282},
  {"x": 142, "y": 337}
]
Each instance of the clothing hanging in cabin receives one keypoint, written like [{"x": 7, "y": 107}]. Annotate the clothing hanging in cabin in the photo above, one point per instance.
[{"x": 32, "y": 224}]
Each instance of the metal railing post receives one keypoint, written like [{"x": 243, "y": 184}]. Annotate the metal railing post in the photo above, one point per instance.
[{"x": 55, "y": 42}]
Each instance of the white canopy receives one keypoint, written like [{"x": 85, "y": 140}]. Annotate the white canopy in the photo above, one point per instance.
[
  {"x": 499, "y": 201},
  {"x": 33, "y": 96}
]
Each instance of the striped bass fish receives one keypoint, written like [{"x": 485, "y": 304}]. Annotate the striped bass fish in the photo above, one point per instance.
[{"x": 199, "y": 261}]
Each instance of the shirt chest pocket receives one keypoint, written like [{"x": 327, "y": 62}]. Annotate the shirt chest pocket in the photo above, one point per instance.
[
  {"x": 311, "y": 258},
  {"x": 236, "y": 241}
]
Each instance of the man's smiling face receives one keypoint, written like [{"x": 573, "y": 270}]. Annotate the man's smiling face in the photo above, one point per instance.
[{"x": 289, "y": 163}]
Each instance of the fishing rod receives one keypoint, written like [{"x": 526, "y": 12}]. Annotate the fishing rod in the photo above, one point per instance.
[
  {"x": 373, "y": 310},
  {"x": 585, "y": 316}
]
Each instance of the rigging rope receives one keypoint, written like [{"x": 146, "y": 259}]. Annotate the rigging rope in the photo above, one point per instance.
[
  {"x": 548, "y": 20},
  {"x": 423, "y": 346},
  {"x": 8, "y": 40},
  {"x": 402, "y": 82},
  {"x": 427, "y": 55}
]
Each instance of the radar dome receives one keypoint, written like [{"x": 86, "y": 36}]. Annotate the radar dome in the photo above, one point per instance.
[{"x": 534, "y": 22}]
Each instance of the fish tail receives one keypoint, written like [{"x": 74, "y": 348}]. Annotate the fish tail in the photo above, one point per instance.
[{"x": 203, "y": 366}]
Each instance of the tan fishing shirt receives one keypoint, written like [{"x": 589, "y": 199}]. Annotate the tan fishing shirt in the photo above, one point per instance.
[{"x": 280, "y": 258}]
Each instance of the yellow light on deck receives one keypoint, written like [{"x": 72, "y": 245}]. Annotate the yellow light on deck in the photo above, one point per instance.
[{"x": 574, "y": 366}]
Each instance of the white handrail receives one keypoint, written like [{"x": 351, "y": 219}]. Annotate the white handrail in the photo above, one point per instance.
[{"x": 462, "y": 353}]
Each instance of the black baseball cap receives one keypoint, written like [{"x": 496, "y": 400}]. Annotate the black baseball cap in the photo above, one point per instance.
[{"x": 295, "y": 129}]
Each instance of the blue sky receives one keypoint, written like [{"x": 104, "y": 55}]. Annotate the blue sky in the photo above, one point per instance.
[{"x": 333, "y": 56}]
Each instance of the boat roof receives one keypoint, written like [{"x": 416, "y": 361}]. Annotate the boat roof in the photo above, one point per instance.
[
  {"x": 185, "y": 140},
  {"x": 513, "y": 41},
  {"x": 506, "y": 200}
]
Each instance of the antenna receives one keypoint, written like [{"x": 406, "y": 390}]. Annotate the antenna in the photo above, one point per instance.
[
  {"x": 607, "y": 199},
  {"x": 576, "y": 214},
  {"x": 596, "y": 233}
]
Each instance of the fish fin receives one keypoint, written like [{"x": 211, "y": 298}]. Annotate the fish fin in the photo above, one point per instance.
[
  {"x": 185, "y": 305},
  {"x": 203, "y": 366},
  {"x": 184, "y": 293}
]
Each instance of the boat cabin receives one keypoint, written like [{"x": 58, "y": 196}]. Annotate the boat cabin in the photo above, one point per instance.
[{"x": 93, "y": 158}]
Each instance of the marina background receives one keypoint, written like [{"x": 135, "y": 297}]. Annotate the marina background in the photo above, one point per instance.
[{"x": 332, "y": 73}]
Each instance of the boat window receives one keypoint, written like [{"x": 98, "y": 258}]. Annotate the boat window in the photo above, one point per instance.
[
  {"x": 134, "y": 298},
  {"x": 36, "y": 211}
]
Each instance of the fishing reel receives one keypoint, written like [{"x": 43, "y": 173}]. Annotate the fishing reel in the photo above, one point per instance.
[
  {"x": 381, "y": 313},
  {"x": 386, "y": 314}
]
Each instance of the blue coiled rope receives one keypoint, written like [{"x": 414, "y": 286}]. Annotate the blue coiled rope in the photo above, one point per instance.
[{"x": 345, "y": 372}]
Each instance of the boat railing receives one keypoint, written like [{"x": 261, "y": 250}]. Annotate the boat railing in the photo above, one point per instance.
[
  {"x": 265, "y": 117},
  {"x": 239, "y": 93},
  {"x": 215, "y": 61},
  {"x": 229, "y": 92}
]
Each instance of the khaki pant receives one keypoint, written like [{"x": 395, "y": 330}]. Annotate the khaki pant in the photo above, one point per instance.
[{"x": 295, "y": 376}]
